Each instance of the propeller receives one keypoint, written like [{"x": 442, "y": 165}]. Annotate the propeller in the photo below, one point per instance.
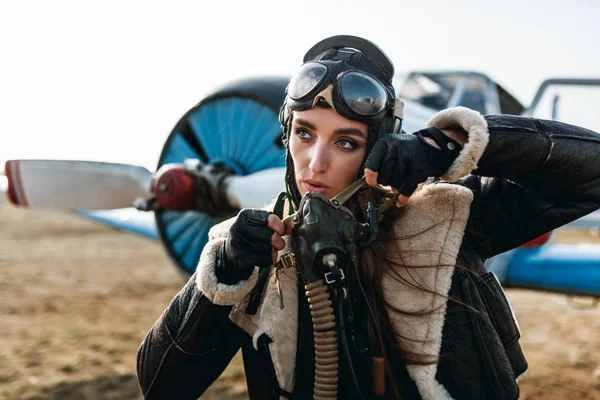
[
  {"x": 90, "y": 185},
  {"x": 75, "y": 185}
]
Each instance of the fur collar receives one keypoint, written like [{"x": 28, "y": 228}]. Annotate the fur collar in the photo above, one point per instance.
[{"x": 423, "y": 261}]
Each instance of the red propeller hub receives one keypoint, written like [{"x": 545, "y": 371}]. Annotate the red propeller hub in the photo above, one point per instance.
[{"x": 173, "y": 188}]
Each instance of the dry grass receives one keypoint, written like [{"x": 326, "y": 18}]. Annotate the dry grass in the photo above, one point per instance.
[{"x": 77, "y": 298}]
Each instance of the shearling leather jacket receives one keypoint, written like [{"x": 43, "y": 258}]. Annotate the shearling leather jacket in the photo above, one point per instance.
[{"x": 525, "y": 178}]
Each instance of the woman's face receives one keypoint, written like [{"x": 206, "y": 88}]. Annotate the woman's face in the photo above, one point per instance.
[{"x": 327, "y": 150}]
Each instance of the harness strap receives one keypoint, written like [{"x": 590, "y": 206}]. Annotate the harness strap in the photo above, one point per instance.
[{"x": 263, "y": 274}]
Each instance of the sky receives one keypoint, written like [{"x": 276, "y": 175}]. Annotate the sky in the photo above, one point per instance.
[{"x": 108, "y": 80}]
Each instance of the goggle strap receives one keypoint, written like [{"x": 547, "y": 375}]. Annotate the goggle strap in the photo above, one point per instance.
[
  {"x": 368, "y": 48},
  {"x": 399, "y": 109}
]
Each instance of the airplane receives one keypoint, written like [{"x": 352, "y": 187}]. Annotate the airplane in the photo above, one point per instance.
[{"x": 236, "y": 130}]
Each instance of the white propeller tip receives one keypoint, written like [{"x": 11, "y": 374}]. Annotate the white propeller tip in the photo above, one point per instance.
[{"x": 3, "y": 184}]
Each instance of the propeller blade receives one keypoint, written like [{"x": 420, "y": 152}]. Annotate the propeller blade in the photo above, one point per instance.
[
  {"x": 75, "y": 185},
  {"x": 3, "y": 184}
]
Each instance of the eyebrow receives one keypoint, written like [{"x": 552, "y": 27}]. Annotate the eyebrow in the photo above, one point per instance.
[
  {"x": 340, "y": 131},
  {"x": 350, "y": 131}
]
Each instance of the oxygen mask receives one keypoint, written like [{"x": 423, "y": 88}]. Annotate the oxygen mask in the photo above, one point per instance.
[{"x": 327, "y": 236}]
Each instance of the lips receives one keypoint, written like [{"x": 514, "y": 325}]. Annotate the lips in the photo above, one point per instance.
[{"x": 312, "y": 185}]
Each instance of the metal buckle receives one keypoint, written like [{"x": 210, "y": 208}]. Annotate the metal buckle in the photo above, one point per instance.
[
  {"x": 328, "y": 274},
  {"x": 286, "y": 261}
]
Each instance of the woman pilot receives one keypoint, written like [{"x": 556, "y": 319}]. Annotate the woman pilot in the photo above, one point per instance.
[{"x": 401, "y": 305}]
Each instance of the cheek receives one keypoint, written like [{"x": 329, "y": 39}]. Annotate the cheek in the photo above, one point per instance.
[
  {"x": 297, "y": 154},
  {"x": 349, "y": 166}
]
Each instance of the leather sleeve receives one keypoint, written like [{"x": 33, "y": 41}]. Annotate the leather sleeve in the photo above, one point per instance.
[
  {"x": 534, "y": 176},
  {"x": 188, "y": 347}
]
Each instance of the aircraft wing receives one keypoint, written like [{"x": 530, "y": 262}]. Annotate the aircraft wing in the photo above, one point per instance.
[
  {"x": 125, "y": 219},
  {"x": 590, "y": 221},
  {"x": 570, "y": 268}
]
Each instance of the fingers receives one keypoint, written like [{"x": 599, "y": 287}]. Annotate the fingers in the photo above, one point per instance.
[
  {"x": 276, "y": 224},
  {"x": 402, "y": 200},
  {"x": 371, "y": 177},
  {"x": 277, "y": 241}
]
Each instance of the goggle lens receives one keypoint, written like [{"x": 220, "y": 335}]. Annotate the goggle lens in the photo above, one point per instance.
[
  {"x": 306, "y": 79},
  {"x": 363, "y": 94}
]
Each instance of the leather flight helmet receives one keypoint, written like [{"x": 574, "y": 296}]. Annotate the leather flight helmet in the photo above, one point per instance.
[{"x": 344, "y": 53}]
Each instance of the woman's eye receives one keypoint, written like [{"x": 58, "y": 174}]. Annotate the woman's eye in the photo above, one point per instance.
[
  {"x": 347, "y": 144},
  {"x": 302, "y": 134}
]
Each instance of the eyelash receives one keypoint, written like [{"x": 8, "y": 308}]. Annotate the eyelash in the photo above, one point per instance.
[{"x": 300, "y": 131}]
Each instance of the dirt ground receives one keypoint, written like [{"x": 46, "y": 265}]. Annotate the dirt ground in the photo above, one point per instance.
[{"x": 77, "y": 298}]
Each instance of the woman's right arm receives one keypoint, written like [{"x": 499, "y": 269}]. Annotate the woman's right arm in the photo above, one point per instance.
[
  {"x": 194, "y": 340},
  {"x": 188, "y": 347}
]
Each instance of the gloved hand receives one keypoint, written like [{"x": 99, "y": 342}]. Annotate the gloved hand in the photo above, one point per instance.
[
  {"x": 404, "y": 161},
  {"x": 251, "y": 242}
]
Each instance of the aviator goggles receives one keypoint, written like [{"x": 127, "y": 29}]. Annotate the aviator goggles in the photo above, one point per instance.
[{"x": 356, "y": 95}]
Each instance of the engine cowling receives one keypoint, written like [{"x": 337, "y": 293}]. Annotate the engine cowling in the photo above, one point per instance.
[{"x": 236, "y": 126}]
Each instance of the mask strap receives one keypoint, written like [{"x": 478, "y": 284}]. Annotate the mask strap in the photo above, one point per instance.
[
  {"x": 345, "y": 194},
  {"x": 341, "y": 198}
]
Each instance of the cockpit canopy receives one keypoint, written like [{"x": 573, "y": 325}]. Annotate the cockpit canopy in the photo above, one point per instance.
[{"x": 439, "y": 90}]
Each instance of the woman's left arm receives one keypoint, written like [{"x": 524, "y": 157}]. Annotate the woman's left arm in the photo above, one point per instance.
[
  {"x": 545, "y": 174},
  {"x": 528, "y": 176}
]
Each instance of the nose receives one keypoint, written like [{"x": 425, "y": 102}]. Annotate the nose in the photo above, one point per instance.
[{"x": 319, "y": 158}]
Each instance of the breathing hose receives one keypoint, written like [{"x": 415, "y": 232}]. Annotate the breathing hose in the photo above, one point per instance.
[{"x": 326, "y": 343}]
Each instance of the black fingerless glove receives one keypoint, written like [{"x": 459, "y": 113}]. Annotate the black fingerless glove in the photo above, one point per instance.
[
  {"x": 404, "y": 161},
  {"x": 248, "y": 245}
]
